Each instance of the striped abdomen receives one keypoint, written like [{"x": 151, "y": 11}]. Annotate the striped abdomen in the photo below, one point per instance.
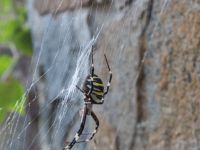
[{"x": 98, "y": 88}]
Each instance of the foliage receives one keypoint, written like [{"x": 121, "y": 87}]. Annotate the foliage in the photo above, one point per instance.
[
  {"x": 5, "y": 63},
  {"x": 11, "y": 90},
  {"x": 14, "y": 33},
  {"x": 14, "y": 30},
  {"x": 12, "y": 98}
]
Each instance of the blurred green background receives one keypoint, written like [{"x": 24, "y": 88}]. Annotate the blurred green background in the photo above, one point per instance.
[{"x": 15, "y": 42}]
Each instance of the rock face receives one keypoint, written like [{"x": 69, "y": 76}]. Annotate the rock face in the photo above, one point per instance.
[
  {"x": 175, "y": 49},
  {"x": 153, "y": 48}
]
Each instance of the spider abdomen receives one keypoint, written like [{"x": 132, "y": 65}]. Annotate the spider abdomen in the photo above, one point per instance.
[{"x": 97, "y": 90}]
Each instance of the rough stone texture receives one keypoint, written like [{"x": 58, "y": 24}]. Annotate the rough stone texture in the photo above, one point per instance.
[
  {"x": 153, "y": 48},
  {"x": 173, "y": 67}
]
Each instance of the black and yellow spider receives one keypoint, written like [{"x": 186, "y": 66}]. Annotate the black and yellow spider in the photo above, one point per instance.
[{"x": 93, "y": 90}]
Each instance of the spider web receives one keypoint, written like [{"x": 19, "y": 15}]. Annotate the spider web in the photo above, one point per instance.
[{"x": 14, "y": 129}]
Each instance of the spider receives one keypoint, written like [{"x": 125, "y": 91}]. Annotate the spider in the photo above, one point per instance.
[{"x": 93, "y": 91}]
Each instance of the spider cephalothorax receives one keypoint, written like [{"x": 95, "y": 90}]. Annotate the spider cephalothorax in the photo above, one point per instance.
[{"x": 93, "y": 91}]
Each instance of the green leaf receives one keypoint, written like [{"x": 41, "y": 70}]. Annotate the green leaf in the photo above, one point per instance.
[
  {"x": 5, "y": 63},
  {"x": 8, "y": 31},
  {"x": 13, "y": 28},
  {"x": 2, "y": 115},
  {"x": 6, "y": 5},
  {"x": 20, "y": 36},
  {"x": 12, "y": 96},
  {"x": 22, "y": 15},
  {"x": 23, "y": 42}
]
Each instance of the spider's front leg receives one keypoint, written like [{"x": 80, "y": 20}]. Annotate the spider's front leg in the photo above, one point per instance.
[
  {"x": 110, "y": 77},
  {"x": 91, "y": 73},
  {"x": 79, "y": 131}
]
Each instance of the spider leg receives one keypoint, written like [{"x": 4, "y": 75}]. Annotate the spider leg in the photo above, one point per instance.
[
  {"x": 95, "y": 130},
  {"x": 69, "y": 146},
  {"x": 91, "y": 73},
  {"x": 97, "y": 124},
  {"x": 80, "y": 89},
  {"x": 110, "y": 77}
]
